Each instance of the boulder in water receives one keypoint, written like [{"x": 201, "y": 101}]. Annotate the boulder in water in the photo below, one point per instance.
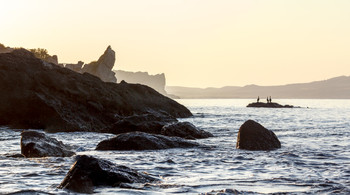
[
  {"x": 88, "y": 172},
  {"x": 185, "y": 130},
  {"x": 253, "y": 136},
  {"x": 36, "y": 144},
  {"x": 143, "y": 141},
  {"x": 148, "y": 123}
]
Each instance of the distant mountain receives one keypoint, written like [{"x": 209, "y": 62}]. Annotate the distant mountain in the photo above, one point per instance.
[{"x": 334, "y": 88}]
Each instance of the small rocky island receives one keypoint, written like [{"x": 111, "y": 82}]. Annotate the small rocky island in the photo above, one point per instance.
[{"x": 269, "y": 105}]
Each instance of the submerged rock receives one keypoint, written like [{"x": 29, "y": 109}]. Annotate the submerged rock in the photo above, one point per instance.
[
  {"x": 253, "y": 136},
  {"x": 185, "y": 130},
  {"x": 36, "y": 144},
  {"x": 38, "y": 95},
  {"x": 143, "y": 141},
  {"x": 103, "y": 67},
  {"x": 88, "y": 172}
]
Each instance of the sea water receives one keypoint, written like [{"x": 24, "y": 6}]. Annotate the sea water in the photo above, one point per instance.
[{"x": 314, "y": 158}]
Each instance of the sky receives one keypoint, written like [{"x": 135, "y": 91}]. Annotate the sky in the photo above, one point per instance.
[{"x": 196, "y": 43}]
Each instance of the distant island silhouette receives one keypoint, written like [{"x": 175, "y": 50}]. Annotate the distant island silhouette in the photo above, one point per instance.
[{"x": 334, "y": 88}]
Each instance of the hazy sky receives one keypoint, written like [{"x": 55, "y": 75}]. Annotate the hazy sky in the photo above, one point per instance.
[{"x": 199, "y": 43}]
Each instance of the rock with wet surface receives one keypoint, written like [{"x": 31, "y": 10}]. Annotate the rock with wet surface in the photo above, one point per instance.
[
  {"x": 148, "y": 123},
  {"x": 36, "y": 144},
  {"x": 143, "y": 141},
  {"x": 185, "y": 130},
  {"x": 253, "y": 136},
  {"x": 88, "y": 172}
]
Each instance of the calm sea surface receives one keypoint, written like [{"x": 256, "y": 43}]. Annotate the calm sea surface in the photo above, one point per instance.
[{"x": 314, "y": 158}]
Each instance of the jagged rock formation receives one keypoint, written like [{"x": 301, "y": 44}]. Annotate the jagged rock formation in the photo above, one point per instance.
[
  {"x": 36, "y": 144},
  {"x": 143, "y": 141},
  {"x": 253, "y": 136},
  {"x": 102, "y": 68},
  {"x": 38, "y": 95},
  {"x": 157, "y": 81},
  {"x": 88, "y": 172}
]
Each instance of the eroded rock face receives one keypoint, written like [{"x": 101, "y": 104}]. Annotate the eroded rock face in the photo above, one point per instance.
[
  {"x": 36, "y": 144},
  {"x": 88, "y": 172},
  {"x": 185, "y": 130},
  {"x": 157, "y": 81},
  {"x": 38, "y": 95},
  {"x": 143, "y": 141},
  {"x": 253, "y": 136},
  {"x": 103, "y": 67}
]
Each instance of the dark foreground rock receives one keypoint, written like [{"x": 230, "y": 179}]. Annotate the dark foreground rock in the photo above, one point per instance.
[
  {"x": 148, "y": 123},
  {"x": 185, "y": 130},
  {"x": 143, "y": 141},
  {"x": 269, "y": 105},
  {"x": 39, "y": 95},
  {"x": 253, "y": 136},
  {"x": 88, "y": 172},
  {"x": 37, "y": 144}
]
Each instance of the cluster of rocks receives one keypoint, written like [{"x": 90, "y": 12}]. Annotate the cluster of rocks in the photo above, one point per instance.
[
  {"x": 89, "y": 172},
  {"x": 40, "y": 95}
]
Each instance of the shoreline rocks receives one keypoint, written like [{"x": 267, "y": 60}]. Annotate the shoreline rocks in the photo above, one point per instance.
[
  {"x": 88, "y": 172},
  {"x": 144, "y": 141},
  {"x": 40, "y": 95},
  {"x": 36, "y": 144},
  {"x": 253, "y": 136}
]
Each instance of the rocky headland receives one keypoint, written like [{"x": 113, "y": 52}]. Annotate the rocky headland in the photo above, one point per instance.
[{"x": 40, "y": 95}]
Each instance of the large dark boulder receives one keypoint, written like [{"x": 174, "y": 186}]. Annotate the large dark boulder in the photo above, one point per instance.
[
  {"x": 37, "y": 144},
  {"x": 185, "y": 130},
  {"x": 39, "y": 95},
  {"x": 149, "y": 123},
  {"x": 253, "y": 136},
  {"x": 143, "y": 141},
  {"x": 88, "y": 172}
]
